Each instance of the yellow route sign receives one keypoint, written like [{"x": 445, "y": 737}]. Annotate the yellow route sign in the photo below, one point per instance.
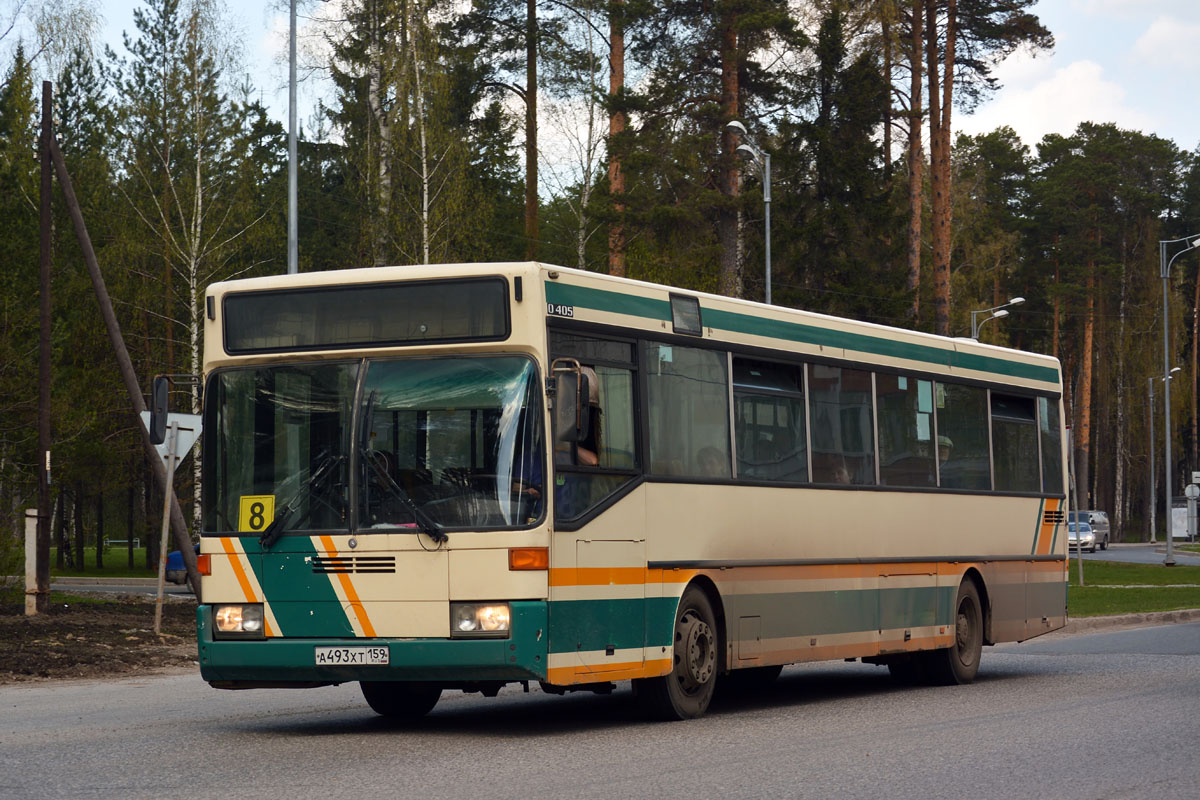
[{"x": 255, "y": 512}]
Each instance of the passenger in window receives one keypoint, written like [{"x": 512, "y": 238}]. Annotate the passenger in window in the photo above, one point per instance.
[
  {"x": 841, "y": 473},
  {"x": 587, "y": 451},
  {"x": 944, "y": 448}
]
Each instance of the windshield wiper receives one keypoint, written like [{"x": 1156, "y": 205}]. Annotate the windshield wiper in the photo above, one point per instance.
[
  {"x": 425, "y": 523},
  {"x": 284, "y": 519}
]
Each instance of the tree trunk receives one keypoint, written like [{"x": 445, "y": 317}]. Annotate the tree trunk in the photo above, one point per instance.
[
  {"x": 65, "y": 559},
  {"x": 886, "y": 31},
  {"x": 79, "y": 559},
  {"x": 376, "y": 86},
  {"x": 1054, "y": 324},
  {"x": 939, "y": 146},
  {"x": 616, "y": 127},
  {"x": 426, "y": 177},
  {"x": 1084, "y": 389},
  {"x": 916, "y": 160},
  {"x": 100, "y": 529},
  {"x": 129, "y": 523},
  {"x": 531, "y": 165},
  {"x": 731, "y": 283}
]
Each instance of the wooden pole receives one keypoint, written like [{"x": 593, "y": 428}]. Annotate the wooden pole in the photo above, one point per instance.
[
  {"x": 182, "y": 540},
  {"x": 43, "y": 520}
]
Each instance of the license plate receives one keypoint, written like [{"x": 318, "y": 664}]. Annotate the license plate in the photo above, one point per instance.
[{"x": 351, "y": 656}]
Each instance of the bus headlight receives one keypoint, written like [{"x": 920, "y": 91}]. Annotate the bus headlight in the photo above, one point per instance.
[
  {"x": 479, "y": 619},
  {"x": 243, "y": 621}
]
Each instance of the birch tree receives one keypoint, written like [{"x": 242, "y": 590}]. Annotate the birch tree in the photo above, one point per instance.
[{"x": 178, "y": 131}]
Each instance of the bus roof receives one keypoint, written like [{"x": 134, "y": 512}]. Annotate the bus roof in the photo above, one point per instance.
[{"x": 628, "y": 303}]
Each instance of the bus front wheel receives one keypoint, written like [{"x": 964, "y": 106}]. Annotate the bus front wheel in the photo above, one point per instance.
[
  {"x": 960, "y": 662},
  {"x": 686, "y": 692},
  {"x": 401, "y": 700}
]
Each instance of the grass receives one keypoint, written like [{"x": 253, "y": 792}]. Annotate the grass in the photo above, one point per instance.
[
  {"x": 116, "y": 564},
  {"x": 1153, "y": 588}
]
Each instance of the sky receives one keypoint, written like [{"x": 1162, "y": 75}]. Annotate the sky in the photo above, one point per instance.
[{"x": 1132, "y": 62}]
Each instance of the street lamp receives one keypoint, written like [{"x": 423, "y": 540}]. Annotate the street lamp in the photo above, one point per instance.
[
  {"x": 1192, "y": 242},
  {"x": 996, "y": 313},
  {"x": 1153, "y": 500},
  {"x": 761, "y": 157}
]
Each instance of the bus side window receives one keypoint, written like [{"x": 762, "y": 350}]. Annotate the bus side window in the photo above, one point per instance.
[
  {"x": 588, "y": 471},
  {"x": 843, "y": 432},
  {"x": 688, "y": 391}
]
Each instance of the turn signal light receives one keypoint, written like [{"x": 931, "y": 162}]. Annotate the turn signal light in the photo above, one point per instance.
[
  {"x": 204, "y": 564},
  {"x": 528, "y": 558}
]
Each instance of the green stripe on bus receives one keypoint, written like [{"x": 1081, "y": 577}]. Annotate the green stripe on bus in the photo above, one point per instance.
[
  {"x": 603, "y": 300},
  {"x": 582, "y": 625},
  {"x": 304, "y": 603},
  {"x": 733, "y": 322},
  {"x": 589, "y": 625}
]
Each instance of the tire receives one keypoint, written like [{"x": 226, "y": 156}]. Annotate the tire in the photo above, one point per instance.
[
  {"x": 401, "y": 700},
  {"x": 959, "y": 663},
  {"x": 1104, "y": 544},
  {"x": 686, "y": 692}
]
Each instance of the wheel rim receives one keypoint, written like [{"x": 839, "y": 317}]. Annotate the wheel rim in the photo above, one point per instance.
[
  {"x": 966, "y": 631},
  {"x": 695, "y": 651}
]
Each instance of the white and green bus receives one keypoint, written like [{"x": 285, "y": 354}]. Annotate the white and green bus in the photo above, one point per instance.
[{"x": 454, "y": 477}]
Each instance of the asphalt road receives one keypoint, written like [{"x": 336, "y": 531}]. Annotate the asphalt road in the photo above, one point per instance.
[
  {"x": 1111, "y": 715},
  {"x": 1141, "y": 554}
]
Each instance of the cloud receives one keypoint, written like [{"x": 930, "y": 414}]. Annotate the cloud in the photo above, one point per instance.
[
  {"x": 1041, "y": 98},
  {"x": 1169, "y": 42}
]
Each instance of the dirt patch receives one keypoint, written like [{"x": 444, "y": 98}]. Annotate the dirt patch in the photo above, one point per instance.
[{"x": 94, "y": 637}]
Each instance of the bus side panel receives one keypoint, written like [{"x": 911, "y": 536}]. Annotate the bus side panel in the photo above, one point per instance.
[{"x": 607, "y": 610}]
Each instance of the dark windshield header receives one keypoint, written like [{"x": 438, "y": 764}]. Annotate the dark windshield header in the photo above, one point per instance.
[{"x": 366, "y": 315}]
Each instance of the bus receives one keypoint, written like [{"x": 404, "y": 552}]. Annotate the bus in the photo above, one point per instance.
[{"x": 457, "y": 477}]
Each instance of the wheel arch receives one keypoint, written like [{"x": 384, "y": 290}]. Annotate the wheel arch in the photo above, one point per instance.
[
  {"x": 974, "y": 575},
  {"x": 707, "y": 585}
]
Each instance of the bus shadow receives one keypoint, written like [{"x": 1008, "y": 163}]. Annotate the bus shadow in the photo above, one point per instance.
[{"x": 514, "y": 714}]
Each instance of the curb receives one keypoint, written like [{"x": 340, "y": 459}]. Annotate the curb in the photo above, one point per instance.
[
  {"x": 1146, "y": 619},
  {"x": 83, "y": 580}
]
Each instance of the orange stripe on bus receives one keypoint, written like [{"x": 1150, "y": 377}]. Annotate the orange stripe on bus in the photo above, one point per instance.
[
  {"x": 1047, "y": 538},
  {"x": 351, "y": 594},
  {"x": 565, "y": 676},
  {"x": 244, "y": 581},
  {"x": 242, "y": 578}
]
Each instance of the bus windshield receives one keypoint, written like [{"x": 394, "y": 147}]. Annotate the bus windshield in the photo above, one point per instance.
[{"x": 456, "y": 442}]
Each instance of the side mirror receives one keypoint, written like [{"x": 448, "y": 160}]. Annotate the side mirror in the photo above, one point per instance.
[
  {"x": 572, "y": 390},
  {"x": 158, "y": 409}
]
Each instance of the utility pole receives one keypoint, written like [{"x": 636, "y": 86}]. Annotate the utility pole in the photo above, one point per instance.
[
  {"x": 293, "y": 246},
  {"x": 44, "y": 507}
]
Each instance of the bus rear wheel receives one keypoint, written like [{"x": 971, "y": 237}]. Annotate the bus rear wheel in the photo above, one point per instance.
[
  {"x": 401, "y": 700},
  {"x": 686, "y": 692},
  {"x": 960, "y": 662}
]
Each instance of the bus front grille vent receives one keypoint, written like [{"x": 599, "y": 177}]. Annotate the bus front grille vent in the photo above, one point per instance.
[
  {"x": 1053, "y": 517},
  {"x": 351, "y": 565}
]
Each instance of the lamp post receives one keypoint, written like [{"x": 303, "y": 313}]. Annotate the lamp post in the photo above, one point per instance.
[
  {"x": 996, "y": 312},
  {"x": 1153, "y": 500},
  {"x": 1192, "y": 242},
  {"x": 763, "y": 159}
]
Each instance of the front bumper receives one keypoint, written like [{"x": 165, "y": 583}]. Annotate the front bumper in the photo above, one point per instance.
[{"x": 283, "y": 661}]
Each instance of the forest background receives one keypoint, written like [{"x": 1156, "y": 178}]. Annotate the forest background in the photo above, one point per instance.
[{"x": 428, "y": 152}]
